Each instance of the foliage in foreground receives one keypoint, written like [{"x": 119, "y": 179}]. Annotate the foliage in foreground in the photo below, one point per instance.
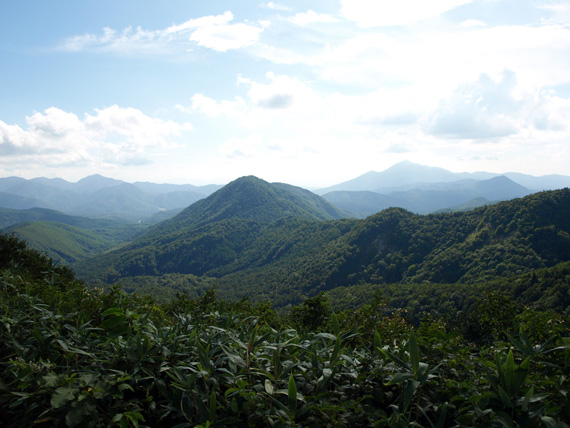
[{"x": 72, "y": 357}]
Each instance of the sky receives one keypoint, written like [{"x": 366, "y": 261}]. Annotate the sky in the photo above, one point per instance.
[{"x": 310, "y": 93}]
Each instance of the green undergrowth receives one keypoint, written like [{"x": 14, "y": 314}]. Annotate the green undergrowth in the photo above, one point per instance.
[{"x": 70, "y": 356}]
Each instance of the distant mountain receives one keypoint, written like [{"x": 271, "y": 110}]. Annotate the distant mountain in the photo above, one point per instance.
[
  {"x": 9, "y": 217},
  {"x": 402, "y": 174},
  {"x": 407, "y": 175},
  {"x": 361, "y": 203},
  {"x": 427, "y": 198},
  {"x": 100, "y": 196},
  {"x": 17, "y": 202},
  {"x": 546, "y": 182},
  {"x": 177, "y": 188},
  {"x": 467, "y": 206},
  {"x": 96, "y": 182}
]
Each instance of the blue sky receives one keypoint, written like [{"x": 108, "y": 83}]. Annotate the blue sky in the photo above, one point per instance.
[{"x": 308, "y": 93}]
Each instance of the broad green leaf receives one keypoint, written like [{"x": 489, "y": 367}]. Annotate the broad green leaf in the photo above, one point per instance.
[
  {"x": 549, "y": 422},
  {"x": 399, "y": 378},
  {"x": 414, "y": 353},
  {"x": 505, "y": 399},
  {"x": 409, "y": 392},
  {"x": 62, "y": 395},
  {"x": 111, "y": 323},
  {"x": 212, "y": 406},
  {"x": 269, "y": 387},
  {"x": 509, "y": 372},
  {"x": 79, "y": 412},
  {"x": 292, "y": 395},
  {"x": 526, "y": 400}
]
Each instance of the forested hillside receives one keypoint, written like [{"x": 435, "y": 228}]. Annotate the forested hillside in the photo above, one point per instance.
[
  {"x": 72, "y": 356},
  {"x": 252, "y": 241},
  {"x": 66, "y": 238}
]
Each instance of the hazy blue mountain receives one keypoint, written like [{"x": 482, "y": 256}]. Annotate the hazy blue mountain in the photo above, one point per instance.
[
  {"x": 401, "y": 174},
  {"x": 467, "y": 206},
  {"x": 50, "y": 197},
  {"x": 428, "y": 198},
  {"x": 96, "y": 182},
  {"x": 54, "y": 182},
  {"x": 100, "y": 196},
  {"x": 177, "y": 188},
  {"x": 7, "y": 183},
  {"x": 176, "y": 200},
  {"x": 9, "y": 217},
  {"x": 407, "y": 175},
  {"x": 125, "y": 199},
  {"x": 546, "y": 182},
  {"x": 361, "y": 203},
  {"x": 17, "y": 202}
]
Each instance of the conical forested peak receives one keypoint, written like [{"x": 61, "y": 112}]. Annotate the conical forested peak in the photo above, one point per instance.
[{"x": 252, "y": 198}]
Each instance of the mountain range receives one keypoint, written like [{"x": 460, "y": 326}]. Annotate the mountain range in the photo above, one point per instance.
[
  {"x": 280, "y": 243},
  {"x": 98, "y": 196},
  {"x": 417, "y": 188}
]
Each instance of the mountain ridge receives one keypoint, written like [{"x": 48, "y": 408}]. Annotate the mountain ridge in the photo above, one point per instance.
[
  {"x": 286, "y": 257},
  {"x": 409, "y": 174}
]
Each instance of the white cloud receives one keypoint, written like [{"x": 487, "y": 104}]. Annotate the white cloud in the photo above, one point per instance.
[
  {"x": 378, "y": 13},
  {"x": 114, "y": 135},
  {"x": 312, "y": 17},
  {"x": 473, "y": 23},
  {"x": 210, "y": 107},
  {"x": 226, "y": 37},
  {"x": 486, "y": 109},
  {"x": 214, "y": 32},
  {"x": 275, "y": 6},
  {"x": 356, "y": 133}
]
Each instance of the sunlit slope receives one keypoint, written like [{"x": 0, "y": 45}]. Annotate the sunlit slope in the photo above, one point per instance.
[{"x": 216, "y": 232}]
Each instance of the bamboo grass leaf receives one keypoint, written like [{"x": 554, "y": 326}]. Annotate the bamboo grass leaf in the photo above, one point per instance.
[{"x": 292, "y": 396}]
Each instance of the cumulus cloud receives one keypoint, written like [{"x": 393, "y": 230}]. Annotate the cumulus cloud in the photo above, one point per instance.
[
  {"x": 485, "y": 109},
  {"x": 212, "y": 108},
  {"x": 378, "y": 13},
  {"x": 216, "y": 32},
  {"x": 312, "y": 17},
  {"x": 280, "y": 93},
  {"x": 275, "y": 6},
  {"x": 114, "y": 135},
  {"x": 489, "y": 109}
]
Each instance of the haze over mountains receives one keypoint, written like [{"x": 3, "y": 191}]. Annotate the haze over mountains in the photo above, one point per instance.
[
  {"x": 99, "y": 196},
  {"x": 420, "y": 189},
  {"x": 278, "y": 242}
]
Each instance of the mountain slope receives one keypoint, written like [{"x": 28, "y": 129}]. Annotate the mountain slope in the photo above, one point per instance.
[
  {"x": 214, "y": 233},
  {"x": 264, "y": 254},
  {"x": 70, "y": 238},
  {"x": 251, "y": 198},
  {"x": 394, "y": 246},
  {"x": 62, "y": 242}
]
